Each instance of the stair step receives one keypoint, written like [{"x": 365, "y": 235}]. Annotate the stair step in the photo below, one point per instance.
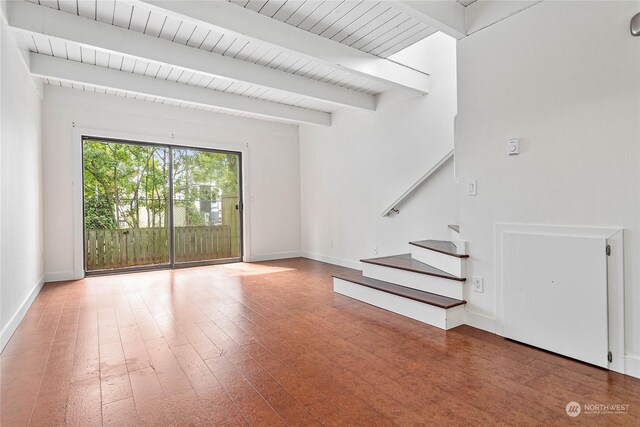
[
  {"x": 446, "y": 247},
  {"x": 405, "y": 262},
  {"x": 401, "y": 291}
]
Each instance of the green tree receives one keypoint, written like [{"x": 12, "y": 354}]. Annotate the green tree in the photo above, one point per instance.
[
  {"x": 121, "y": 181},
  {"x": 195, "y": 170}
]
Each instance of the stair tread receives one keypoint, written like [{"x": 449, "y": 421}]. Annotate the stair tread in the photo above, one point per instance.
[
  {"x": 446, "y": 247},
  {"x": 402, "y": 291},
  {"x": 455, "y": 227},
  {"x": 405, "y": 262}
]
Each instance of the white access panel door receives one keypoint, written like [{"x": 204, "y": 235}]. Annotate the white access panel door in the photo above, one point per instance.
[{"x": 555, "y": 294}]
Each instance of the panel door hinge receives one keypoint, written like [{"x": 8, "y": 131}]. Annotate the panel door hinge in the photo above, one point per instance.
[
  {"x": 610, "y": 357},
  {"x": 608, "y": 250}
]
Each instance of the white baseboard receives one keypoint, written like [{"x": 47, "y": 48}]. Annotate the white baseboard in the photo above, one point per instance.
[
  {"x": 273, "y": 256},
  {"x": 59, "y": 276},
  {"x": 480, "y": 321},
  {"x": 632, "y": 366},
  {"x": 11, "y": 327},
  {"x": 331, "y": 260}
]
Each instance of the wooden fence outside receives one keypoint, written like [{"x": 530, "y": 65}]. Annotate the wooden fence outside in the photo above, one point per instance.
[{"x": 107, "y": 249}]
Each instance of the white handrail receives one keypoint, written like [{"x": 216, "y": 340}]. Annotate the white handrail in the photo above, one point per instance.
[{"x": 393, "y": 207}]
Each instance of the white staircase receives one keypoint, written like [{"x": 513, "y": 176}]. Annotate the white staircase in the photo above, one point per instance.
[{"x": 426, "y": 285}]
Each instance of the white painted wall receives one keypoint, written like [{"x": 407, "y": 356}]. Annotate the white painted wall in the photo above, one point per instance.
[
  {"x": 351, "y": 171},
  {"x": 564, "y": 77},
  {"x": 272, "y": 169},
  {"x": 21, "y": 245}
]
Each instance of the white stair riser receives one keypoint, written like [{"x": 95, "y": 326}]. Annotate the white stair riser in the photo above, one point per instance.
[
  {"x": 450, "y": 264},
  {"x": 435, "y": 316},
  {"x": 461, "y": 246},
  {"x": 422, "y": 282}
]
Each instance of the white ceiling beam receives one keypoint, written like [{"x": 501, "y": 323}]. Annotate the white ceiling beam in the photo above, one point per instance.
[
  {"x": 31, "y": 18},
  {"x": 76, "y": 72},
  {"x": 447, "y": 16},
  {"x": 228, "y": 18},
  {"x": 485, "y": 13},
  {"x": 458, "y": 21}
]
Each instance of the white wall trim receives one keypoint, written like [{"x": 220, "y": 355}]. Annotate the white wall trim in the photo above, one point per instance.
[
  {"x": 273, "y": 256},
  {"x": 331, "y": 260},
  {"x": 616, "y": 302},
  {"x": 17, "y": 317},
  {"x": 480, "y": 321},
  {"x": 632, "y": 366},
  {"x": 78, "y": 133},
  {"x": 78, "y": 220}
]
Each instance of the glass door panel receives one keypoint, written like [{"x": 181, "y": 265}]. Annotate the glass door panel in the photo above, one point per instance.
[
  {"x": 206, "y": 205},
  {"x": 126, "y": 205}
]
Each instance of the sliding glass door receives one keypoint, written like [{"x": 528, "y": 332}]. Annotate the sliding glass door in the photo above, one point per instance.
[
  {"x": 154, "y": 206},
  {"x": 126, "y": 205},
  {"x": 206, "y": 205}
]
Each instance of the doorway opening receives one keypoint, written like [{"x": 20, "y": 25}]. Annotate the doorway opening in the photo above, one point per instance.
[{"x": 151, "y": 206}]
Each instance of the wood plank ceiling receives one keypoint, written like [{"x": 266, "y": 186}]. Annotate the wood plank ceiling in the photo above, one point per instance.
[{"x": 371, "y": 27}]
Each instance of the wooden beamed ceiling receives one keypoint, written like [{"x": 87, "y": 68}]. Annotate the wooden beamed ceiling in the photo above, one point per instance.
[{"x": 283, "y": 61}]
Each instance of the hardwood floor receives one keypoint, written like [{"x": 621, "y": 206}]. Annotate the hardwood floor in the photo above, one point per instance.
[{"x": 271, "y": 344}]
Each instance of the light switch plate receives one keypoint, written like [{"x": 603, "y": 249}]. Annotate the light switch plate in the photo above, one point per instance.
[
  {"x": 472, "y": 188},
  {"x": 478, "y": 284}
]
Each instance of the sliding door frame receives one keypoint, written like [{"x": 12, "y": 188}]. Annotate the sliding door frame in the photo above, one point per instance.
[
  {"x": 131, "y": 269},
  {"x": 81, "y": 134},
  {"x": 186, "y": 264}
]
